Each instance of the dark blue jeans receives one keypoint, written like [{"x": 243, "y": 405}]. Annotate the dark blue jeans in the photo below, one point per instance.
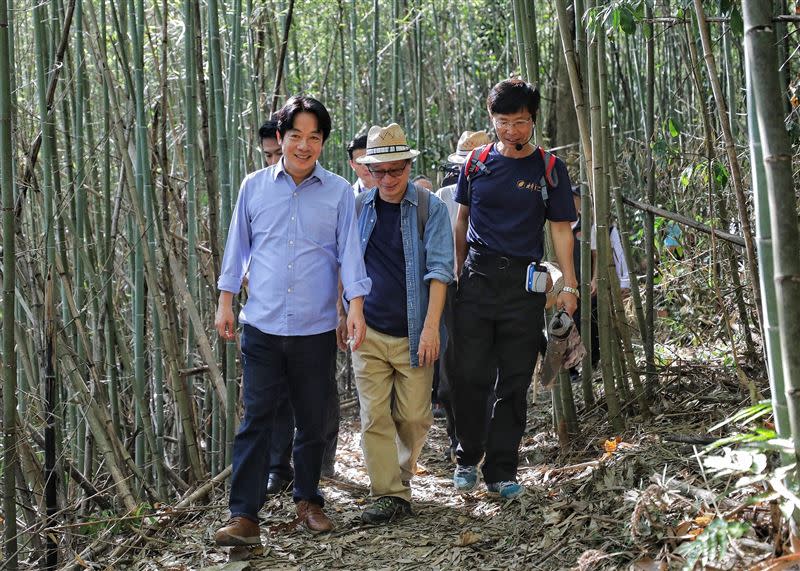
[
  {"x": 498, "y": 330},
  {"x": 272, "y": 364}
]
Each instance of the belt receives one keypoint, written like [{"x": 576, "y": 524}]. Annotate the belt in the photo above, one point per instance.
[{"x": 483, "y": 257}]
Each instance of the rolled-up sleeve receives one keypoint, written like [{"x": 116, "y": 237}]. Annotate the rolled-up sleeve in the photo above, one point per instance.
[
  {"x": 438, "y": 242},
  {"x": 351, "y": 259},
  {"x": 237, "y": 247}
]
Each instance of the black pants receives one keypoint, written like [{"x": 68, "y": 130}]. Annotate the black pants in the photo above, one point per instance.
[
  {"x": 447, "y": 366},
  {"x": 279, "y": 451},
  {"x": 498, "y": 329}
]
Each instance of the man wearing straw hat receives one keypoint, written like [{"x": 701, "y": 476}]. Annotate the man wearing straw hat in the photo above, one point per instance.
[
  {"x": 499, "y": 310},
  {"x": 410, "y": 265}
]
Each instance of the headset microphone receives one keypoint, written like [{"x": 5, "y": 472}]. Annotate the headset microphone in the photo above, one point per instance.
[{"x": 519, "y": 146}]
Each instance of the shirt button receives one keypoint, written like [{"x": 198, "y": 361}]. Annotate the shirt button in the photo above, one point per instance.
[
  {"x": 289, "y": 266},
  {"x": 294, "y": 194},
  {"x": 291, "y": 242},
  {"x": 289, "y": 290},
  {"x": 292, "y": 218}
]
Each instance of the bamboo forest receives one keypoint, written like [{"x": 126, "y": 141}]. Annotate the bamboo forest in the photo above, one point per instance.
[{"x": 139, "y": 419}]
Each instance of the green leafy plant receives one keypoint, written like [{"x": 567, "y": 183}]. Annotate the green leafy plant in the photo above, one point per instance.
[
  {"x": 712, "y": 544},
  {"x": 745, "y": 458}
]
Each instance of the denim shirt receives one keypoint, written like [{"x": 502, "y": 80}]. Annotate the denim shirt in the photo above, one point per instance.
[{"x": 428, "y": 259}]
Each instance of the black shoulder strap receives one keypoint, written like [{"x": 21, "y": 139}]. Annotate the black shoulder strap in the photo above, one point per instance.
[
  {"x": 423, "y": 208},
  {"x": 360, "y": 198}
]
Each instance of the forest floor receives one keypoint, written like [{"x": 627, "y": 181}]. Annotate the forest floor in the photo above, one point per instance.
[{"x": 612, "y": 501}]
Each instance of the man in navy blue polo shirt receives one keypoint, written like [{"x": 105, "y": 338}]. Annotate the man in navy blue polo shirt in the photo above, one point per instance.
[{"x": 499, "y": 232}]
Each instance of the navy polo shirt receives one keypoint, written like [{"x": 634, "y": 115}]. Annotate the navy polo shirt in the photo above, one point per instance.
[
  {"x": 506, "y": 209},
  {"x": 385, "y": 306}
]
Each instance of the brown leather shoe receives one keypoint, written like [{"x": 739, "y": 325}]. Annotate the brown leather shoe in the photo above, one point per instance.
[
  {"x": 238, "y": 531},
  {"x": 312, "y": 517}
]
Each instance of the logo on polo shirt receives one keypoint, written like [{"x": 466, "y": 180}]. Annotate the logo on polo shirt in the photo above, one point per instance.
[{"x": 529, "y": 185}]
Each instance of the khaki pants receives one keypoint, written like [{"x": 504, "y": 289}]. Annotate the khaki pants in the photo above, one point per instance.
[{"x": 391, "y": 436}]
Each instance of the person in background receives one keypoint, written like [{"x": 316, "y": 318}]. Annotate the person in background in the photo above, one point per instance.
[
  {"x": 447, "y": 367},
  {"x": 355, "y": 150},
  {"x": 268, "y": 134},
  {"x": 423, "y": 181}
]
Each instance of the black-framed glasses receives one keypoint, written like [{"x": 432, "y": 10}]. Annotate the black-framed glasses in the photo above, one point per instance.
[{"x": 379, "y": 173}]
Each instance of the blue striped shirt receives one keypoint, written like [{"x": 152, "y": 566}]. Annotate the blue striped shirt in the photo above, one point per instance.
[{"x": 294, "y": 240}]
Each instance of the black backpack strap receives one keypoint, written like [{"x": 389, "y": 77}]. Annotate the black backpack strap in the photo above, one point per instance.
[
  {"x": 423, "y": 210},
  {"x": 360, "y": 198}
]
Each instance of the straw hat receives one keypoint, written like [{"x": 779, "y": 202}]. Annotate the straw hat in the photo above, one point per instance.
[
  {"x": 386, "y": 144},
  {"x": 468, "y": 141}
]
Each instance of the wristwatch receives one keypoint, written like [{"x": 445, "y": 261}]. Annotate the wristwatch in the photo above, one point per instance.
[{"x": 571, "y": 290}]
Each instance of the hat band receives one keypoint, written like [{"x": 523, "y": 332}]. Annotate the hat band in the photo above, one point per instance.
[{"x": 389, "y": 149}]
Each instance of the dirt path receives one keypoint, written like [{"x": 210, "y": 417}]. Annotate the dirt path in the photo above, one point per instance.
[{"x": 576, "y": 512}]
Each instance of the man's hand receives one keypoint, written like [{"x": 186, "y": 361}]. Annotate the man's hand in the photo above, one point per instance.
[
  {"x": 428, "y": 346},
  {"x": 356, "y": 326},
  {"x": 567, "y": 301},
  {"x": 593, "y": 287},
  {"x": 223, "y": 321}
]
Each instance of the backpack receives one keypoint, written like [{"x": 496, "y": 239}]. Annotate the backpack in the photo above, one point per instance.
[
  {"x": 477, "y": 165},
  {"x": 423, "y": 207}
]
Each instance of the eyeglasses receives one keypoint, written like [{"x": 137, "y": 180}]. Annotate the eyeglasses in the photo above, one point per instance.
[
  {"x": 379, "y": 174},
  {"x": 518, "y": 124}
]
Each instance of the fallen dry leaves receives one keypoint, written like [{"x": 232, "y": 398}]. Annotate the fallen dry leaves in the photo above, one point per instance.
[{"x": 592, "y": 509}]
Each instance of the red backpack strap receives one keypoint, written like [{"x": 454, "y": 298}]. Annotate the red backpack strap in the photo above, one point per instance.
[
  {"x": 485, "y": 153},
  {"x": 550, "y": 174},
  {"x": 477, "y": 165},
  {"x": 468, "y": 163}
]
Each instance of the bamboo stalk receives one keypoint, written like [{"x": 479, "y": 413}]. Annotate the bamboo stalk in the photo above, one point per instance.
[
  {"x": 777, "y": 161},
  {"x": 733, "y": 160},
  {"x": 9, "y": 363}
]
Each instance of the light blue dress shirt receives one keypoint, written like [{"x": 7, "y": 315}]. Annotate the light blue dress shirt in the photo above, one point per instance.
[
  {"x": 428, "y": 259},
  {"x": 294, "y": 240}
]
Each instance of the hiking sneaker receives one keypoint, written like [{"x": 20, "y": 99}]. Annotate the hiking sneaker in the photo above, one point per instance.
[
  {"x": 506, "y": 490},
  {"x": 386, "y": 509},
  {"x": 465, "y": 478}
]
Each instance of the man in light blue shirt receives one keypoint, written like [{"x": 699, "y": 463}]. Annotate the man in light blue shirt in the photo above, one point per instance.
[{"x": 294, "y": 228}]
